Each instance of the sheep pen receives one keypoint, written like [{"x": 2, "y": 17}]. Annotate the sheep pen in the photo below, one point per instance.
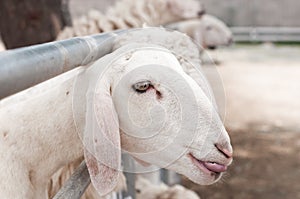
[
  {"x": 188, "y": 17},
  {"x": 133, "y": 14},
  {"x": 44, "y": 144}
]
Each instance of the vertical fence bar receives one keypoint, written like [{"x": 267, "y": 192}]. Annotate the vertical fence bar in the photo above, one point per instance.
[
  {"x": 76, "y": 185},
  {"x": 129, "y": 164}
]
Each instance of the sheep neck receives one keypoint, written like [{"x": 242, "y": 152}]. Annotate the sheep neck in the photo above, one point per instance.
[{"x": 37, "y": 132}]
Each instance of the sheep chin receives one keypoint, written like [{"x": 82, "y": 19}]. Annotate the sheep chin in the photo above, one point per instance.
[{"x": 186, "y": 167}]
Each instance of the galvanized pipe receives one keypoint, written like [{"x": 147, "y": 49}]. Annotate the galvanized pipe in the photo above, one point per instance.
[
  {"x": 75, "y": 186},
  {"x": 266, "y": 34},
  {"x": 25, "y": 67}
]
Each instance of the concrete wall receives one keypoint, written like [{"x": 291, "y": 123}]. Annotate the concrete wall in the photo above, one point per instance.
[{"x": 256, "y": 12}]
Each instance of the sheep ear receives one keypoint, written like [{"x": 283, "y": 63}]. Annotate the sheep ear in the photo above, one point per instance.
[{"x": 102, "y": 139}]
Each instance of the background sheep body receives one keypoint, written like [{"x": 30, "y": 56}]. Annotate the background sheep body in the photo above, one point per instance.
[
  {"x": 133, "y": 14},
  {"x": 207, "y": 32},
  {"x": 147, "y": 190}
]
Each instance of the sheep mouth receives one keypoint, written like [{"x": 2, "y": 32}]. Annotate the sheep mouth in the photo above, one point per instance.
[
  {"x": 209, "y": 167},
  {"x": 212, "y": 47}
]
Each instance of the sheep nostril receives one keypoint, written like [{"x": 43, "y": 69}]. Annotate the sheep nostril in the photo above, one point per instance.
[
  {"x": 224, "y": 151},
  {"x": 200, "y": 13}
]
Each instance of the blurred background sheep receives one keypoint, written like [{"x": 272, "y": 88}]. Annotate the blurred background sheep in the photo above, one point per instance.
[
  {"x": 207, "y": 31},
  {"x": 147, "y": 190},
  {"x": 126, "y": 14}
]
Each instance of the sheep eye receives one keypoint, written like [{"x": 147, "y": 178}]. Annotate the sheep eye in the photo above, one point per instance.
[
  {"x": 142, "y": 86},
  {"x": 138, "y": 190}
]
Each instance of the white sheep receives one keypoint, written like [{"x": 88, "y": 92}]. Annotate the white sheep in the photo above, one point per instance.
[
  {"x": 147, "y": 190},
  {"x": 207, "y": 31},
  {"x": 143, "y": 89},
  {"x": 133, "y": 14}
]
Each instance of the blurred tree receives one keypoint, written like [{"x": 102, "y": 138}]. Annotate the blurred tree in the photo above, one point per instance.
[{"x": 28, "y": 22}]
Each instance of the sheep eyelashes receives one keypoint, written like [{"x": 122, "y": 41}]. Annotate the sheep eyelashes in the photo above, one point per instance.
[{"x": 142, "y": 86}]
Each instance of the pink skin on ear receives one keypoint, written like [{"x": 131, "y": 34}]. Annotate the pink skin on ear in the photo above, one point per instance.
[
  {"x": 103, "y": 155},
  {"x": 103, "y": 178}
]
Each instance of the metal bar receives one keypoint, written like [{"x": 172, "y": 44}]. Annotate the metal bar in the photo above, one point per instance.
[
  {"x": 25, "y": 67},
  {"x": 128, "y": 163},
  {"x": 266, "y": 34},
  {"x": 164, "y": 176},
  {"x": 76, "y": 185}
]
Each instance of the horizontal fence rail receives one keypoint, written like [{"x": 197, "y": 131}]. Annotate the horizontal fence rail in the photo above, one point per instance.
[
  {"x": 25, "y": 67},
  {"x": 266, "y": 34}
]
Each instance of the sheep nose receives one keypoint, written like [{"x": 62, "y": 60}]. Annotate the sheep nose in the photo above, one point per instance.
[
  {"x": 224, "y": 150},
  {"x": 200, "y": 13}
]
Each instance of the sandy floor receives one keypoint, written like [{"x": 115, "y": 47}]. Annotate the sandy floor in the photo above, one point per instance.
[{"x": 262, "y": 87}]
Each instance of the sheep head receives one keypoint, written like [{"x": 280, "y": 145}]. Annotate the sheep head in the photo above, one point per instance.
[
  {"x": 214, "y": 32},
  {"x": 140, "y": 100},
  {"x": 185, "y": 9}
]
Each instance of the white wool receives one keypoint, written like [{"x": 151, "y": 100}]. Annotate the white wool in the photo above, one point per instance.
[
  {"x": 133, "y": 14},
  {"x": 208, "y": 31},
  {"x": 146, "y": 190}
]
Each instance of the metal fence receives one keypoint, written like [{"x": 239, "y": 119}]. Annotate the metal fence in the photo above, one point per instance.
[
  {"x": 266, "y": 34},
  {"x": 258, "y": 21}
]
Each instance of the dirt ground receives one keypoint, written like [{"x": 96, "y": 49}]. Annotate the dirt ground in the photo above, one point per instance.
[
  {"x": 266, "y": 165},
  {"x": 262, "y": 88}
]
